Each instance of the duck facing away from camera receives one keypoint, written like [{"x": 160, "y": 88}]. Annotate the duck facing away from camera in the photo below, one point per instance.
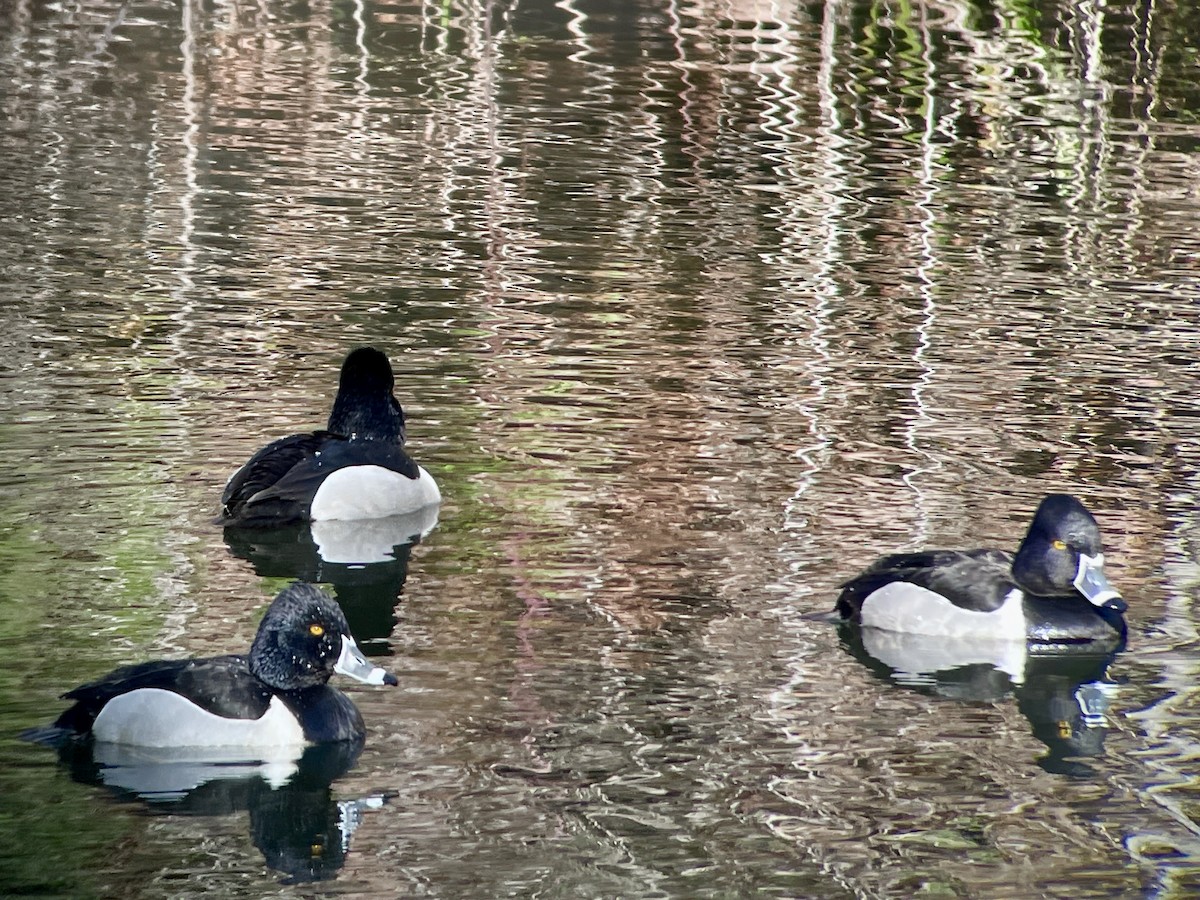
[
  {"x": 354, "y": 469},
  {"x": 1052, "y": 591}
]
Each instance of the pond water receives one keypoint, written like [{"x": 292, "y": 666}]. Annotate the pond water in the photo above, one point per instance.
[{"x": 695, "y": 309}]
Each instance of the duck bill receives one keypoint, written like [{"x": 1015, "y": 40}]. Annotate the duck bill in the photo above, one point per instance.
[
  {"x": 1090, "y": 582},
  {"x": 355, "y": 665}
]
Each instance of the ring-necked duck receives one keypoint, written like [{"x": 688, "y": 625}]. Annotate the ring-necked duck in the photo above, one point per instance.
[
  {"x": 278, "y": 695},
  {"x": 355, "y": 469},
  {"x": 1052, "y": 591}
]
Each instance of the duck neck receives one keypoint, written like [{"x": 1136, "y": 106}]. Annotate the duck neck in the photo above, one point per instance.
[{"x": 371, "y": 420}]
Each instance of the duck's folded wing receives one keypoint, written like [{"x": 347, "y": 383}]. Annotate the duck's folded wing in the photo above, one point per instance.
[
  {"x": 934, "y": 559},
  {"x": 293, "y": 493},
  {"x": 223, "y": 685},
  {"x": 977, "y": 580},
  {"x": 267, "y": 468}
]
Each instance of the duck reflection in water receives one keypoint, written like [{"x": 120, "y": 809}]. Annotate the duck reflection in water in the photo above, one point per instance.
[
  {"x": 1063, "y": 691},
  {"x": 296, "y": 823},
  {"x": 365, "y": 561}
]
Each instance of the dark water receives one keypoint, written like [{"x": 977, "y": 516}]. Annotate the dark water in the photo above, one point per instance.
[{"x": 695, "y": 309}]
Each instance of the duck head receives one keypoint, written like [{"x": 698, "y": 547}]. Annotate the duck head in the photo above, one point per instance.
[
  {"x": 1061, "y": 555},
  {"x": 304, "y": 639},
  {"x": 365, "y": 407}
]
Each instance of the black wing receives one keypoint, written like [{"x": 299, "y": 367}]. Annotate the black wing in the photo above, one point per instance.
[
  {"x": 266, "y": 469},
  {"x": 296, "y": 489},
  {"x": 222, "y": 685},
  {"x": 935, "y": 559},
  {"x": 289, "y": 479},
  {"x": 290, "y": 498},
  {"x": 977, "y": 580}
]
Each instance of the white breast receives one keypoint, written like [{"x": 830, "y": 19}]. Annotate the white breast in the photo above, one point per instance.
[
  {"x": 900, "y": 606},
  {"x": 151, "y": 717},
  {"x": 372, "y": 492}
]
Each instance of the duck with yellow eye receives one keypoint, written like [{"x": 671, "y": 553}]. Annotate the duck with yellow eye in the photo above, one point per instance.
[
  {"x": 1052, "y": 591},
  {"x": 278, "y": 695}
]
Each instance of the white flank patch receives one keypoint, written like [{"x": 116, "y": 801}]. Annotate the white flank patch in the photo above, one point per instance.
[
  {"x": 152, "y": 717},
  {"x": 900, "y": 606},
  {"x": 372, "y": 492}
]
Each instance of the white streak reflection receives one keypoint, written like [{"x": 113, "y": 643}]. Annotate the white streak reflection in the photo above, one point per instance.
[{"x": 927, "y": 278}]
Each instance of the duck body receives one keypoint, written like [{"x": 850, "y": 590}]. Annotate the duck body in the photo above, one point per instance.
[
  {"x": 1052, "y": 590},
  {"x": 207, "y": 702},
  {"x": 354, "y": 469},
  {"x": 323, "y": 476},
  {"x": 277, "y": 695}
]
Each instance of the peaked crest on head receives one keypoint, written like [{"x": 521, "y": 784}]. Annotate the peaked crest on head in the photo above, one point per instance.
[
  {"x": 367, "y": 369},
  {"x": 1063, "y": 516}
]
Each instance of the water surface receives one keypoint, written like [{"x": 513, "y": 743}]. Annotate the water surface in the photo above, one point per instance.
[{"x": 695, "y": 309}]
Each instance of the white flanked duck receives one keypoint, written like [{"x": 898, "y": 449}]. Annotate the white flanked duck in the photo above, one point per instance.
[
  {"x": 277, "y": 695},
  {"x": 355, "y": 469},
  {"x": 1052, "y": 591}
]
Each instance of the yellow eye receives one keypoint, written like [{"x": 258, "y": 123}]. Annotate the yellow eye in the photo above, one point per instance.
[
  {"x": 1059, "y": 545},
  {"x": 316, "y": 630}
]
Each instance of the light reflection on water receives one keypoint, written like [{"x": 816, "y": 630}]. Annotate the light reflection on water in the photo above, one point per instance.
[{"x": 693, "y": 312}]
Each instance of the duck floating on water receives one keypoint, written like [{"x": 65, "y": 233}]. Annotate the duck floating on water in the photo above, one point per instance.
[
  {"x": 354, "y": 469},
  {"x": 277, "y": 695},
  {"x": 1052, "y": 591}
]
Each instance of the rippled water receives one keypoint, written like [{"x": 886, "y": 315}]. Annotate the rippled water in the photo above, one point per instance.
[{"x": 695, "y": 309}]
